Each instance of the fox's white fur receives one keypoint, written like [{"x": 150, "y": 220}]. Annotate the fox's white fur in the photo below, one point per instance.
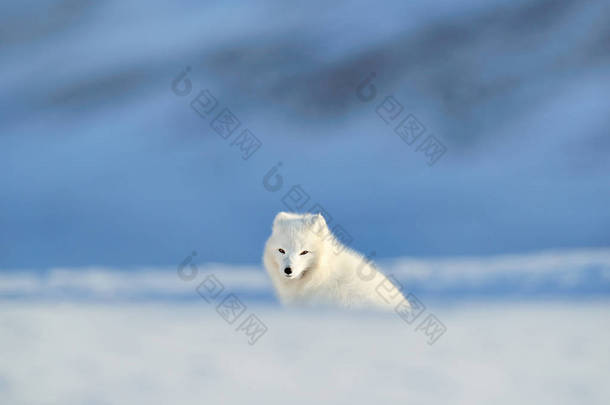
[{"x": 322, "y": 271}]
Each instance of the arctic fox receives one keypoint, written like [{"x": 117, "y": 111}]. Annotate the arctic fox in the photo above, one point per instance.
[{"x": 308, "y": 265}]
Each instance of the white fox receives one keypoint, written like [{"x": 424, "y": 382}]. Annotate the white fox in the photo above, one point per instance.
[{"x": 308, "y": 265}]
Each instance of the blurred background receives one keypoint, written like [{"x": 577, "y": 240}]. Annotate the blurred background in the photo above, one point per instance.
[{"x": 111, "y": 181}]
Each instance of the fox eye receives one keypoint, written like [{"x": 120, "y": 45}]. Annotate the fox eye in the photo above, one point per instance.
[
  {"x": 304, "y": 252},
  {"x": 282, "y": 251}
]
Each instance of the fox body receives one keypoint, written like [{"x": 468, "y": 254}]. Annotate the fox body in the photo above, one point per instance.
[{"x": 308, "y": 265}]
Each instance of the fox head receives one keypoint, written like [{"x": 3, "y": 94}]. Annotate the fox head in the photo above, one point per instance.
[{"x": 296, "y": 243}]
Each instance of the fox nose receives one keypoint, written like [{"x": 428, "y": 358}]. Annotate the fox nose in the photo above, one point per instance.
[{"x": 288, "y": 270}]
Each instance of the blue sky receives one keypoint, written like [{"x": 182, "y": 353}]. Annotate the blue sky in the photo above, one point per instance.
[{"x": 101, "y": 163}]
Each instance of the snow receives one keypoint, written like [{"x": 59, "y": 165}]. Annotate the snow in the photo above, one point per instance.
[
  {"x": 159, "y": 353},
  {"x": 527, "y": 328}
]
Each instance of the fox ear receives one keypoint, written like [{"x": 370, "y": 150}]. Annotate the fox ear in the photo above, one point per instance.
[
  {"x": 319, "y": 222},
  {"x": 280, "y": 216}
]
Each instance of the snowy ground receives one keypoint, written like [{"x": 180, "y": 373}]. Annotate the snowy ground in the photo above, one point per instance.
[{"x": 185, "y": 353}]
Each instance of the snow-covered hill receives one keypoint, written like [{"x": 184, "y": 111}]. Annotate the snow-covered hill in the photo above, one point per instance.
[{"x": 549, "y": 274}]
